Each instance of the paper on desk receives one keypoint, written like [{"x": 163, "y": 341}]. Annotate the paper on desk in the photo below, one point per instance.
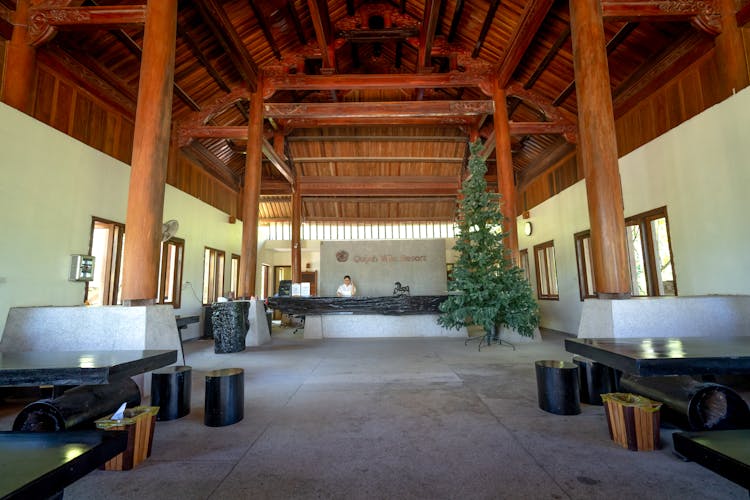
[{"x": 120, "y": 413}]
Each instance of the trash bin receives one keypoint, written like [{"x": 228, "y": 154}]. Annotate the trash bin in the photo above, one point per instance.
[
  {"x": 633, "y": 421},
  {"x": 139, "y": 422},
  {"x": 557, "y": 387}
]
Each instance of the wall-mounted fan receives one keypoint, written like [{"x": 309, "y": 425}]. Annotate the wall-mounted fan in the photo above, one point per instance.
[{"x": 169, "y": 229}]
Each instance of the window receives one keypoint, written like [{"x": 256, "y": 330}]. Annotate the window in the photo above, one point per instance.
[
  {"x": 234, "y": 275},
  {"x": 170, "y": 272},
  {"x": 213, "y": 275},
  {"x": 650, "y": 254},
  {"x": 524, "y": 263},
  {"x": 546, "y": 271},
  {"x": 586, "y": 283},
  {"x": 107, "y": 243}
]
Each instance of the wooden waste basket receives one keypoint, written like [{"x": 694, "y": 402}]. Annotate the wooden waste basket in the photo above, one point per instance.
[
  {"x": 139, "y": 422},
  {"x": 633, "y": 420}
]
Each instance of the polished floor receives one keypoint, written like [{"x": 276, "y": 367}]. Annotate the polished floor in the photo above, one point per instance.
[{"x": 393, "y": 419}]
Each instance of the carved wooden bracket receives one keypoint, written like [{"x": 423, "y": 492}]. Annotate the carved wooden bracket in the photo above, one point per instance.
[
  {"x": 44, "y": 22},
  {"x": 702, "y": 14}
]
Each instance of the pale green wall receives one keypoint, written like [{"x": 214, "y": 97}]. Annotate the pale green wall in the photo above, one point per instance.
[
  {"x": 51, "y": 187},
  {"x": 700, "y": 171}
]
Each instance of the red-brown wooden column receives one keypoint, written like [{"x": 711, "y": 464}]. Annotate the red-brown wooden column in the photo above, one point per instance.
[
  {"x": 17, "y": 90},
  {"x": 296, "y": 237},
  {"x": 598, "y": 150},
  {"x": 251, "y": 195},
  {"x": 505, "y": 182},
  {"x": 150, "y": 155},
  {"x": 730, "y": 50}
]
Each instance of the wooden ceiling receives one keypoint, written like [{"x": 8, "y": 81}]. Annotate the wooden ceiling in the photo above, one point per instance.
[{"x": 369, "y": 105}]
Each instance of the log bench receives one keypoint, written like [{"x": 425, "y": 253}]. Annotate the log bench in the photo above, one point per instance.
[{"x": 726, "y": 453}]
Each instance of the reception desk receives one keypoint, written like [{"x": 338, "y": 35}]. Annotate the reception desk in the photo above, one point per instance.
[{"x": 367, "y": 317}]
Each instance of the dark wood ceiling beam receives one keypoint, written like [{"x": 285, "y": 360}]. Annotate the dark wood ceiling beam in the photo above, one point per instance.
[
  {"x": 378, "y": 35},
  {"x": 427, "y": 34},
  {"x": 294, "y": 15},
  {"x": 486, "y": 27},
  {"x": 703, "y": 15},
  {"x": 277, "y": 161},
  {"x": 265, "y": 29},
  {"x": 322, "y": 26},
  {"x": 551, "y": 53},
  {"x": 275, "y": 187},
  {"x": 379, "y": 186},
  {"x": 44, "y": 22},
  {"x": 6, "y": 29},
  {"x": 219, "y": 24},
  {"x": 9, "y": 4},
  {"x": 136, "y": 50},
  {"x": 376, "y": 138},
  {"x": 489, "y": 146},
  {"x": 379, "y": 159},
  {"x": 200, "y": 155},
  {"x": 460, "y": 121},
  {"x": 354, "y": 110},
  {"x": 455, "y": 20},
  {"x": 531, "y": 19},
  {"x": 743, "y": 16},
  {"x": 384, "y": 199},
  {"x": 362, "y": 82},
  {"x": 615, "y": 42},
  {"x": 659, "y": 69},
  {"x": 107, "y": 76},
  {"x": 198, "y": 53}
]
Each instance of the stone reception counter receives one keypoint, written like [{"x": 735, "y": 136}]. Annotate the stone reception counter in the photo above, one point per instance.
[
  {"x": 363, "y": 317},
  {"x": 394, "y": 305}
]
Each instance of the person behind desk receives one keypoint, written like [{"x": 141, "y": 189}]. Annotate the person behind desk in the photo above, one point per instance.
[{"x": 347, "y": 288}]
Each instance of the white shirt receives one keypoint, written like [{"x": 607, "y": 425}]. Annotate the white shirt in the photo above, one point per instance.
[{"x": 345, "y": 290}]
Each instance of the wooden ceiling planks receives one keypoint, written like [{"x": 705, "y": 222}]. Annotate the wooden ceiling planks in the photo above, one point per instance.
[{"x": 224, "y": 45}]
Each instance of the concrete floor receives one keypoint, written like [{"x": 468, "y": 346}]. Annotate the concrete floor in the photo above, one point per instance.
[{"x": 393, "y": 419}]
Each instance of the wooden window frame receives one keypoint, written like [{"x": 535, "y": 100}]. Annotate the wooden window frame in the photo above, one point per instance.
[
  {"x": 542, "y": 247},
  {"x": 112, "y": 265},
  {"x": 214, "y": 288},
  {"x": 643, "y": 221},
  {"x": 176, "y": 278},
  {"x": 581, "y": 261},
  {"x": 523, "y": 261}
]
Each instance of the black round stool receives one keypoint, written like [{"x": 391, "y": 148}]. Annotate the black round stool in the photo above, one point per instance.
[
  {"x": 557, "y": 387},
  {"x": 225, "y": 397},
  {"x": 594, "y": 379},
  {"x": 170, "y": 391}
]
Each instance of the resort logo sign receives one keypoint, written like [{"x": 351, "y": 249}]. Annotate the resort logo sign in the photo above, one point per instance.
[
  {"x": 372, "y": 259},
  {"x": 342, "y": 256}
]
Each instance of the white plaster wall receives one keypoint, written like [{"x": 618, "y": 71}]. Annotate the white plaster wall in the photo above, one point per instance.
[
  {"x": 700, "y": 171},
  {"x": 51, "y": 186}
]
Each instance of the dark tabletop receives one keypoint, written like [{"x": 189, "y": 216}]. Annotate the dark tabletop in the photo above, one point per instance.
[
  {"x": 39, "y": 464},
  {"x": 724, "y": 452},
  {"x": 35, "y": 368},
  {"x": 668, "y": 356}
]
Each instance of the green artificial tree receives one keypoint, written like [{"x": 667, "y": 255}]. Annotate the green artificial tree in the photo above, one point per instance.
[{"x": 487, "y": 289}]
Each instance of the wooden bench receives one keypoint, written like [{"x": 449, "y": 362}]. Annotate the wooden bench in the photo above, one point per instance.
[
  {"x": 726, "y": 453},
  {"x": 41, "y": 464}
]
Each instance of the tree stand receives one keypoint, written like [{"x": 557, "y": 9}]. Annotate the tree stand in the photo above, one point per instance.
[{"x": 488, "y": 338}]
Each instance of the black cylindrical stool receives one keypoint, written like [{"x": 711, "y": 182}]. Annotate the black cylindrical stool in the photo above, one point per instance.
[
  {"x": 225, "y": 397},
  {"x": 594, "y": 379},
  {"x": 557, "y": 387},
  {"x": 170, "y": 391}
]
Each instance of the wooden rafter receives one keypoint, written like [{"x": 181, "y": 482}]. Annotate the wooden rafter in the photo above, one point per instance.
[
  {"x": 6, "y": 29},
  {"x": 261, "y": 18},
  {"x": 427, "y": 34},
  {"x": 198, "y": 53},
  {"x": 322, "y": 26},
  {"x": 551, "y": 53},
  {"x": 563, "y": 152},
  {"x": 455, "y": 20},
  {"x": 615, "y": 42},
  {"x": 354, "y": 110},
  {"x": 219, "y": 24},
  {"x": 292, "y": 13},
  {"x": 379, "y": 186},
  {"x": 486, "y": 27},
  {"x": 376, "y": 138},
  {"x": 531, "y": 19},
  {"x": 9, "y": 4},
  {"x": 379, "y": 159},
  {"x": 277, "y": 161},
  {"x": 198, "y": 153}
]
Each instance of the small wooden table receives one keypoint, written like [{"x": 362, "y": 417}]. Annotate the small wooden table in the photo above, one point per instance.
[
  {"x": 34, "y": 368},
  {"x": 40, "y": 464},
  {"x": 667, "y": 356}
]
